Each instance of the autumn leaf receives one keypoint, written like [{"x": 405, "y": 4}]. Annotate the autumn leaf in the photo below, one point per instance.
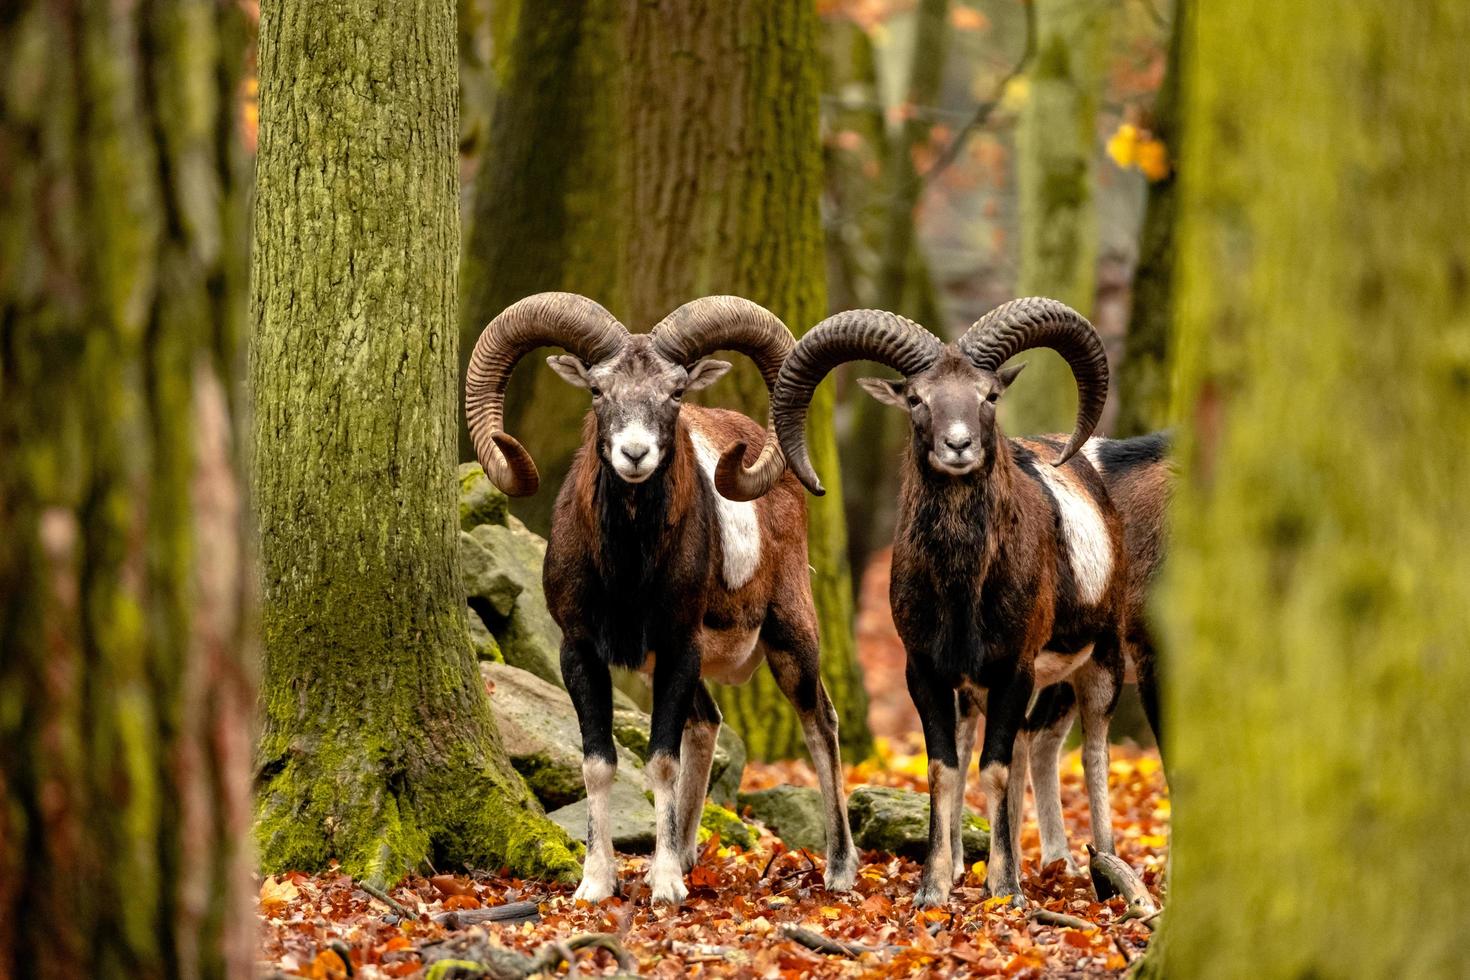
[
  {"x": 275, "y": 895},
  {"x": 1123, "y": 145},
  {"x": 1153, "y": 159},
  {"x": 964, "y": 18}
]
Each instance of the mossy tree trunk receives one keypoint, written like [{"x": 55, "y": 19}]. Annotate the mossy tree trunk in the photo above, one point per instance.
[
  {"x": 126, "y": 680},
  {"x": 544, "y": 210},
  {"x": 1144, "y": 376},
  {"x": 1055, "y": 150},
  {"x": 378, "y": 747},
  {"x": 724, "y": 172},
  {"x": 1321, "y": 551},
  {"x": 902, "y": 284}
]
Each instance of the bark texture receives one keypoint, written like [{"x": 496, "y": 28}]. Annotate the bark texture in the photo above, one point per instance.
[
  {"x": 1143, "y": 375},
  {"x": 1321, "y": 550},
  {"x": 378, "y": 747},
  {"x": 1055, "y": 151},
  {"x": 126, "y": 682},
  {"x": 724, "y": 174}
]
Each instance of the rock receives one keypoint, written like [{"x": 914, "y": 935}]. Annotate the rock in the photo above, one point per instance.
[
  {"x": 539, "y": 731},
  {"x": 897, "y": 821},
  {"x": 792, "y": 813},
  {"x": 631, "y": 816},
  {"x": 502, "y": 573},
  {"x": 630, "y": 730},
  {"x": 479, "y": 501},
  {"x": 482, "y": 640},
  {"x": 732, "y": 830}
]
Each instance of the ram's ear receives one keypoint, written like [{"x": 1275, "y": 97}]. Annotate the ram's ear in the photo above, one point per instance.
[
  {"x": 1008, "y": 374},
  {"x": 706, "y": 372},
  {"x": 889, "y": 391},
  {"x": 570, "y": 369}
]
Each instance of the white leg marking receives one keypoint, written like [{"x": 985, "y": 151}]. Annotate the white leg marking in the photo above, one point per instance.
[
  {"x": 1046, "y": 748},
  {"x": 1000, "y": 873},
  {"x": 1095, "y": 768},
  {"x": 1016, "y": 794},
  {"x": 938, "y": 875},
  {"x": 1089, "y": 548},
  {"x": 740, "y": 530},
  {"x": 600, "y": 870},
  {"x": 695, "y": 755},
  {"x": 665, "y": 873},
  {"x": 965, "y": 742},
  {"x": 841, "y": 855}
]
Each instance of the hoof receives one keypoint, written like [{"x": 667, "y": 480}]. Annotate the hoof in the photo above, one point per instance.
[
  {"x": 595, "y": 891},
  {"x": 841, "y": 872},
  {"x": 666, "y": 888},
  {"x": 931, "y": 896}
]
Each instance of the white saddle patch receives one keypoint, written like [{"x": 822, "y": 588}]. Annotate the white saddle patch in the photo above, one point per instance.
[
  {"x": 1089, "y": 548},
  {"x": 740, "y": 530}
]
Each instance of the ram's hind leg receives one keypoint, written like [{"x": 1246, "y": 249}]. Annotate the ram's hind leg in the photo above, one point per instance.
[
  {"x": 675, "y": 678},
  {"x": 1005, "y": 714},
  {"x": 790, "y": 638},
  {"x": 968, "y": 701},
  {"x": 1097, "y": 683},
  {"x": 696, "y": 754},
  {"x": 1049, "y": 722}
]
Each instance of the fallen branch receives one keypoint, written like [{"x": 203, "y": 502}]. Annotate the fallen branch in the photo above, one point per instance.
[
  {"x": 398, "y": 909},
  {"x": 509, "y": 912},
  {"x": 819, "y": 943},
  {"x": 474, "y": 956},
  {"x": 1111, "y": 876},
  {"x": 1049, "y": 918}
]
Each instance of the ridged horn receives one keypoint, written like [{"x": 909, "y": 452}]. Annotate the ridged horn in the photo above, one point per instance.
[
  {"x": 1036, "y": 321},
  {"x": 856, "y": 335},
  {"x": 703, "y": 326},
  {"x": 565, "y": 320}
]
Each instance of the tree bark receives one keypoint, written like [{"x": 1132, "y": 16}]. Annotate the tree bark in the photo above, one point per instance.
[
  {"x": 724, "y": 174},
  {"x": 545, "y": 211},
  {"x": 127, "y": 681},
  {"x": 378, "y": 747},
  {"x": 1320, "y": 548},
  {"x": 1143, "y": 375},
  {"x": 1056, "y": 147}
]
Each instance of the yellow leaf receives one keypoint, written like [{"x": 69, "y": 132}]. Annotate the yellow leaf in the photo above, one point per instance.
[
  {"x": 1123, "y": 148},
  {"x": 978, "y": 870},
  {"x": 1153, "y": 160},
  {"x": 1018, "y": 90}
]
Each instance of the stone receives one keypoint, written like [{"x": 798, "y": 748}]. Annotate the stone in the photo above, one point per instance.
[
  {"x": 479, "y": 501},
  {"x": 732, "y": 830},
  {"x": 885, "y": 818},
  {"x": 502, "y": 573},
  {"x": 630, "y": 813},
  {"x": 482, "y": 640},
  {"x": 792, "y": 813}
]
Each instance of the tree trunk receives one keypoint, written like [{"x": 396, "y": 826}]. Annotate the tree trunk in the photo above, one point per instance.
[
  {"x": 378, "y": 747},
  {"x": 1056, "y": 146},
  {"x": 545, "y": 214},
  {"x": 1143, "y": 375},
  {"x": 878, "y": 433},
  {"x": 1321, "y": 550},
  {"x": 724, "y": 170},
  {"x": 127, "y": 681}
]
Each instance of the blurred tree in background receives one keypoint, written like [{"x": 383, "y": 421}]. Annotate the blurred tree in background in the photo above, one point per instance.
[
  {"x": 127, "y": 676},
  {"x": 1322, "y": 551},
  {"x": 378, "y": 747}
]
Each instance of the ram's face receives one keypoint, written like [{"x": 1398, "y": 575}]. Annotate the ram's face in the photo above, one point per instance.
[
  {"x": 636, "y": 397},
  {"x": 951, "y": 408}
]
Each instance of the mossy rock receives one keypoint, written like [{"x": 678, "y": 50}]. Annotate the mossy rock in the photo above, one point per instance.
[
  {"x": 479, "y": 501},
  {"x": 539, "y": 731},
  {"x": 630, "y": 730},
  {"x": 792, "y": 813},
  {"x": 629, "y": 812},
  {"x": 732, "y": 830},
  {"x": 502, "y": 575},
  {"x": 896, "y": 821},
  {"x": 482, "y": 640}
]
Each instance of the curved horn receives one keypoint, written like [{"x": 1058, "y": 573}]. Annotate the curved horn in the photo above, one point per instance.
[
  {"x": 566, "y": 320},
  {"x": 856, "y": 335},
  {"x": 703, "y": 326},
  {"x": 1039, "y": 322}
]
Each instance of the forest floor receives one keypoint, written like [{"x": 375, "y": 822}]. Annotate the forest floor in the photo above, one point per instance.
[{"x": 740, "y": 903}]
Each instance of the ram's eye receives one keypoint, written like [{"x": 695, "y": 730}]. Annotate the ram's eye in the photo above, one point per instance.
[
  {"x": 678, "y": 394},
  {"x": 993, "y": 397},
  {"x": 915, "y": 401},
  {"x": 596, "y": 391}
]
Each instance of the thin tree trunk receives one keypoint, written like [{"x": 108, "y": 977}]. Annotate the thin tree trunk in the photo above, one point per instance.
[
  {"x": 1316, "y": 595},
  {"x": 724, "y": 171},
  {"x": 1143, "y": 375},
  {"x": 378, "y": 748},
  {"x": 1056, "y": 147},
  {"x": 127, "y": 682},
  {"x": 877, "y": 433},
  {"x": 545, "y": 214}
]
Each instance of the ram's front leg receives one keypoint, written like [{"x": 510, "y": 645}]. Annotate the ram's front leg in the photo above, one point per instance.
[
  {"x": 590, "y": 685},
  {"x": 1005, "y": 713},
  {"x": 935, "y": 701},
  {"x": 675, "y": 678}
]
